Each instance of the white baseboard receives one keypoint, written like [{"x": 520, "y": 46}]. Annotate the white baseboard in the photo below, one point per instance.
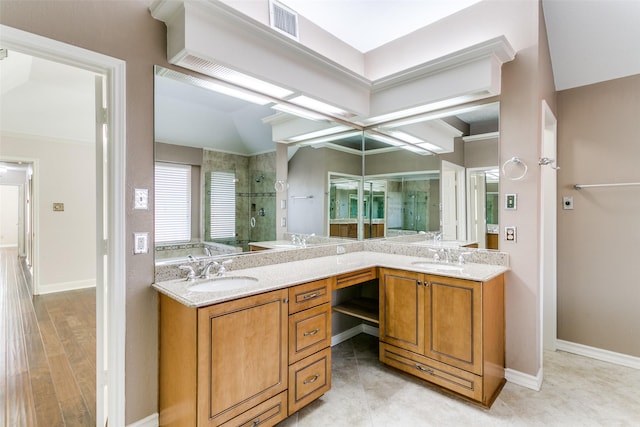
[
  {"x": 599, "y": 354},
  {"x": 65, "y": 286},
  {"x": 150, "y": 421},
  {"x": 524, "y": 380},
  {"x": 350, "y": 333}
]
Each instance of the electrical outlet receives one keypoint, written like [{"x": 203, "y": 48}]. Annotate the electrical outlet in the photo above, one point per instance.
[
  {"x": 567, "y": 203},
  {"x": 510, "y": 234}
]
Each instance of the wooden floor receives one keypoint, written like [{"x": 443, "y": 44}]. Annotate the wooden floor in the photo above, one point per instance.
[{"x": 47, "y": 365}]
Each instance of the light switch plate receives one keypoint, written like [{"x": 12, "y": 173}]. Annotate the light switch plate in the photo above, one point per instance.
[
  {"x": 141, "y": 198},
  {"x": 140, "y": 243},
  {"x": 58, "y": 207},
  {"x": 510, "y": 201}
]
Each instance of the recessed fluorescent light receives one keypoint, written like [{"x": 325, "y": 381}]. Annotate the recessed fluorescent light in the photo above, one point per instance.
[
  {"x": 329, "y": 138},
  {"x": 404, "y": 136},
  {"x": 316, "y": 105},
  {"x": 300, "y": 112},
  {"x": 386, "y": 139},
  {"x": 224, "y": 73},
  {"x": 422, "y": 109},
  {"x": 319, "y": 133},
  {"x": 429, "y": 146},
  {"x": 215, "y": 87}
]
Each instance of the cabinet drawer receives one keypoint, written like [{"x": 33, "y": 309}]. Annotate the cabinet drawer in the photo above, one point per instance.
[
  {"x": 309, "y": 379},
  {"x": 309, "y": 332},
  {"x": 454, "y": 379},
  {"x": 309, "y": 295},
  {"x": 355, "y": 277},
  {"x": 266, "y": 414}
]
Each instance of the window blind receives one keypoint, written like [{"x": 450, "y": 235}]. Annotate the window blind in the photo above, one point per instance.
[
  {"x": 172, "y": 202},
  {"x": 223, "y": 205}
]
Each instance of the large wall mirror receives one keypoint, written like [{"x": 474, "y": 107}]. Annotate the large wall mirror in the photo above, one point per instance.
[{"x": 217, "y": 168}]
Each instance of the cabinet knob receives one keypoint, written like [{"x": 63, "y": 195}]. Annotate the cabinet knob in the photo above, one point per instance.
[
  {"x": 418, "y": 282},
  {"x": 256, "y": 422},
  {"x": 285, "y": 301}
]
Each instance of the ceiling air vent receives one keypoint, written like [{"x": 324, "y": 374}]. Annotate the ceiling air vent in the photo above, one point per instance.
[{"x": 283, "y": 19}]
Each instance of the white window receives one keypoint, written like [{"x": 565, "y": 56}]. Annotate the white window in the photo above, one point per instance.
[
  {"x": 223, "y": 205},
  {"x": 172, "y": 202}
]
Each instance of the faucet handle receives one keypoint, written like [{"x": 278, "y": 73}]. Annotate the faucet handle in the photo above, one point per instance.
[
  {"x": 461, "y": 257},
  {"x": 436, "y": 255},
  {"x": 191, "y": 274}
]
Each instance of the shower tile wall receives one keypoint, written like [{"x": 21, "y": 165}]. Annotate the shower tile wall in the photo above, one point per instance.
[{"x": 255, "y": 192}]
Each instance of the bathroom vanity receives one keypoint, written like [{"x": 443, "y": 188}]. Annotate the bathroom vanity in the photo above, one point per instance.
[{"x": 259, "y": 353}]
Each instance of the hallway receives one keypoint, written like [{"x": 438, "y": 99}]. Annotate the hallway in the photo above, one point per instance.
[{"x": 48, "y": 363}]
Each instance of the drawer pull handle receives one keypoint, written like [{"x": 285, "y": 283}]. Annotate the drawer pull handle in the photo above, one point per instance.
[
  {"x": 309, "y": 296},
  {"x": 423, "y": 369},
  {"x": 315, "y": 331},
  {"x": 312, "y": 379},
  {"x": 256, "y": 422}
]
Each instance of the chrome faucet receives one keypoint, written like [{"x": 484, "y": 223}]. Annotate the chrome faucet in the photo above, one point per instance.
[
  {"x": 298, "y": 240},
  {"x": 204, "y": 272},
  {"x": 441, "y": 255},
  {"x": 207, "y": 250},
  {"x": 191, "y": 274},
  {"x": 220, "y": 268}
]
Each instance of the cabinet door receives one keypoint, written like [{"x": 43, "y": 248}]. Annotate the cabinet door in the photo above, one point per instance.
[
  {"x": 242, "y": 355},
  {"x": 402, "y": 309},
  {"x": 453, "y": 322}
]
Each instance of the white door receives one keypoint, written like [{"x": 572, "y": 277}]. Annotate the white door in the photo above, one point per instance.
[
  {"x": 452, "y": 201},
  {"x": 548, "y": 230},
  {"x": 477, "y": 208}
]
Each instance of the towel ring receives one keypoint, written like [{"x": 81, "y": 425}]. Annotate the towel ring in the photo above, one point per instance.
[
  {"x": 512, "y": 164},
  {"x": 280, "y": 185}
]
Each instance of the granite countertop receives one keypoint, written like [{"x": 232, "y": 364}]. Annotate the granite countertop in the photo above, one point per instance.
[{"x": 287, "y": 274}]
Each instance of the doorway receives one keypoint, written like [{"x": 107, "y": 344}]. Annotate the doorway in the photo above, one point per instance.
[
  {"x": 109, "y": 207},
  {"x": 453, "y": 202}
]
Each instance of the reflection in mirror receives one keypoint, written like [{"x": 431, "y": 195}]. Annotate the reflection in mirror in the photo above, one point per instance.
[
  {"x": 483, "y": 206},
  {"x": 229, "y": 162},
  {"x": 344, "y": 197},
  {"x": 227, "y": 143},
  {"x": 450, "y": 144}
]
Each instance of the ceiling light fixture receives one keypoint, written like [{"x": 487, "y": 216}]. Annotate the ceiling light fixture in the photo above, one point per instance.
[
  {"x": 219, "y": 87},
  {"x": 323, "y": 107}
]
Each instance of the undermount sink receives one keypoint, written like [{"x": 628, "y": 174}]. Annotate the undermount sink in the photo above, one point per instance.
[
  {"x": 224, "y": 284},
  {"x": 441, "y": 267}
]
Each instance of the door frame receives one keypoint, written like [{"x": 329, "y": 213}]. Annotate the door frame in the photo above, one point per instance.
[
  {"x": 548, "y": 233},
  {"x": 111, "y": 336}
]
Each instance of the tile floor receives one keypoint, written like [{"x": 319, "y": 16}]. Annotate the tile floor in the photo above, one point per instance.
[{"x": 577, "y": 391}]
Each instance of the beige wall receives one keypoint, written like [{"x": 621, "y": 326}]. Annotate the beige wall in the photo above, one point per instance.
[
  {"x": 127, "y": 31},
  {"x": 67, "y": 240},
  {"x": 598, "y": 268}
]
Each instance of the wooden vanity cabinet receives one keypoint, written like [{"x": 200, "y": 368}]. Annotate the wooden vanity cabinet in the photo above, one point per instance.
[
  {"x": 445, "y": 330},
  {"x": 309, "y": 342},
  {"x": 224, "y": 364}
]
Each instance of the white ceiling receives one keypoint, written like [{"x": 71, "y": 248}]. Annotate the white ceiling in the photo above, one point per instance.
[
  {"x": 368, "y": 24},
  {"x": 590, "y": 40}
]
